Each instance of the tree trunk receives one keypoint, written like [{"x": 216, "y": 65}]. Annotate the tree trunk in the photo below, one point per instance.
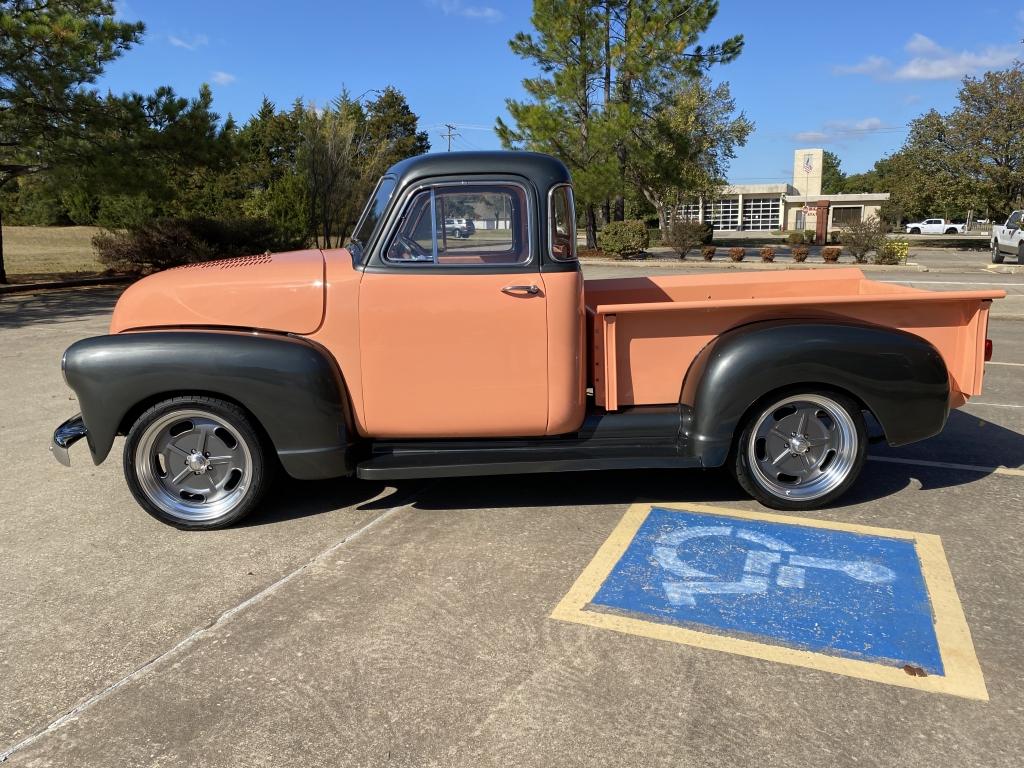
[
  {"x": 3, "y": 270},
  {"x": 591, "y": 226}
]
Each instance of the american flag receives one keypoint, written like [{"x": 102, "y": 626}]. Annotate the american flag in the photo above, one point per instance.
[{"x": 808, "y": 162}]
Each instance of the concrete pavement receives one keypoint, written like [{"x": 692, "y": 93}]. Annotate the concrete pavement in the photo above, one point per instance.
[{"x": 354, "y": 624}]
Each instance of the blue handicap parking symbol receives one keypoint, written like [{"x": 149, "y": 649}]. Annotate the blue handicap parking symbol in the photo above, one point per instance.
[{"x": 836, "y": 592}]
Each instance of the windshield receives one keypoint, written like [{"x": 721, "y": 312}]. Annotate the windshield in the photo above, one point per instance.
[{"x": 371, "y": 216}]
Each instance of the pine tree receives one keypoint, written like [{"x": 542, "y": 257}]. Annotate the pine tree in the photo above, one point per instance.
[{"x": 49, "y": 51}]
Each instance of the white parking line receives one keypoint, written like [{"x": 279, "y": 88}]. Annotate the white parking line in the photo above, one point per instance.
[
  {"x": 993, "y": 362},
  {"x": 948, "y": 465},
  {"x": 995, "y": 405}
]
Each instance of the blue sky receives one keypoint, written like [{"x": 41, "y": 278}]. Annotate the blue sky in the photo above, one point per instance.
[{"x": 846, "y": 77}]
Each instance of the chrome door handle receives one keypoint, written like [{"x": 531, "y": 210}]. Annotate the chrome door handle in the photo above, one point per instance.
[{"x": 512, "y": 290}]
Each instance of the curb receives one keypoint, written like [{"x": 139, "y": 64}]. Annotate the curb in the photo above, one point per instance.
[{"x": 57, "y": 284}]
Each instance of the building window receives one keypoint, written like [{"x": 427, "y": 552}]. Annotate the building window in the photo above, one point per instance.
[
  {"x": 725, "y": 215},
  {"x": 686, "y": 212},
  {"x": 761, "y": 213},
  {"x": 845, "y": 215}
]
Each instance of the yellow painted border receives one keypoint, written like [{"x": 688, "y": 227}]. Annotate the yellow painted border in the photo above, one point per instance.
[{"x": 962, "y": 676}]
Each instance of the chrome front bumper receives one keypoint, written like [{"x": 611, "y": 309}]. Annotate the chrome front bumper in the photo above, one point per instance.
[{"x": 66, "y": 435}]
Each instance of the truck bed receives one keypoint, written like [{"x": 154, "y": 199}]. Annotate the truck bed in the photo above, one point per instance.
[{"x": 646, "y": 331}]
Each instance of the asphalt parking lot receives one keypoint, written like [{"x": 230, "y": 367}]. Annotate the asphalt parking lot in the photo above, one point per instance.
[{"x": 356, "y": 624}]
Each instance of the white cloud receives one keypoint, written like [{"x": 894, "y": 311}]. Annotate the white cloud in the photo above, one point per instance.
[
  {"x": 223, "y": 78},
  {"x": 842, "y": 131},
  {"x": 930, "y": 61},
  {"x": 810, "y": 136},
  {"x": 872, "y": 65},
  {"x": 476, "y": 12},
  {"x": 198, "y": 41},
  {"x": 921, "y": 44}
]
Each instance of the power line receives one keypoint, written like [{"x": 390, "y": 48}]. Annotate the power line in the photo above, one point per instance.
[{"x": 450, "y": 135}]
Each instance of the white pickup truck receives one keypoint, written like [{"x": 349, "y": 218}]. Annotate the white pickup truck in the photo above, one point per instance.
[
  {"x": 1008, "y": 239},
  {"x": 936, "y": 227}
]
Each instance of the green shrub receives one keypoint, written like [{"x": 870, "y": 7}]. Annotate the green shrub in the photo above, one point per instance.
[
  {"x": 708, "y": 252},
  {"x": 767, "y": 254},
  {"x": 834, "y": 236},
  {"x": 800, "y": 252},
  {"x": 683, "y": 236},
  {"x": 624, "y": 238},
  {"x": 124, "y": 211},
  {"x": 893, "y": 252},
  {"x": 166, "y": 242},
  {"x": 830, "y": 253},
  {"x": 795, "y": 238},
  {"x": 737, "y": 254},
  {"x": 810, "y": 236},
  {"x": 862, "y": 237}
]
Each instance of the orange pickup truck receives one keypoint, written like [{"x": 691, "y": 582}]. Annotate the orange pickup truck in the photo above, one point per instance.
[{"x": 414, "y": 353}]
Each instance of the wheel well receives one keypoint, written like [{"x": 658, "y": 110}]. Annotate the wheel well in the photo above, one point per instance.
[
  {"x": 792, "y": 389},
  {"x": 132, "y": 414}
]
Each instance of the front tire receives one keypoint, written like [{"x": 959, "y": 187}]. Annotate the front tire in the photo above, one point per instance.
[
  {"x": 801, "y": 450},
  {"x": 914, "y": 231},
  {"x": 997, "y": 255},
  {"x": 1020, "y": 253},
  {"x": 196, "y": 462}
]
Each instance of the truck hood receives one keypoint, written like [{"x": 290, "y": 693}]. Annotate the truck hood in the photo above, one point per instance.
[{"x": 278, "y": 292}]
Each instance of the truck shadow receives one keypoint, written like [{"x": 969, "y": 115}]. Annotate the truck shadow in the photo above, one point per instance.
[{"x": 21, "y": 309}]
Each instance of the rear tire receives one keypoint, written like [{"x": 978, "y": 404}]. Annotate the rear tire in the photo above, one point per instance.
[
  {"x": 997, "y": 255},
  {"x": 196, "y": 462},
  {"x": 1020, "y": 253},
  {"x": 800, "y": 450}
]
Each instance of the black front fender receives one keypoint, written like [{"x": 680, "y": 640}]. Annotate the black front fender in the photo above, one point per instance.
[
  {"x": 291, "y": 387},
  {"x": 899, "y": 377}
]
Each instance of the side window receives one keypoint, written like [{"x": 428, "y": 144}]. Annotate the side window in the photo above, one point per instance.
[
  {"x": 1014, "y": 220},
  {"x": 562, "y": 221},
  {"x": 464, "y": 225}
]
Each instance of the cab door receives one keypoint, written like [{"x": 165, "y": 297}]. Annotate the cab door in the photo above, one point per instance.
[{"x": 452, "y": 320}]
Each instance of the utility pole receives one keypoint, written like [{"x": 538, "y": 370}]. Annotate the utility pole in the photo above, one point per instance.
[{"x": 450, "y": 135}]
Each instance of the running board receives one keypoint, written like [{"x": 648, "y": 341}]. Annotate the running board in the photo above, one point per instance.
[{"x": 638, "y": 438}]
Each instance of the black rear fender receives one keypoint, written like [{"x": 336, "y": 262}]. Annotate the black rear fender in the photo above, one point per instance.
[
  {"x": 291, "y": 386},
  {"x": 900, "y": 378}
]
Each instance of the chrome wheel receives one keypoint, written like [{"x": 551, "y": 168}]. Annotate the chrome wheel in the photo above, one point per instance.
[
  {"x": 802, "y": 447},
  {"x": 193, "y": 465}
]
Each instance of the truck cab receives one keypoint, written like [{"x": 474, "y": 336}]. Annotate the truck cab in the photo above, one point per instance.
[
  {"x": 935, "y": 227},
  {"x": 424, "y": 349},
  {"x": 1008, "y": 240}
]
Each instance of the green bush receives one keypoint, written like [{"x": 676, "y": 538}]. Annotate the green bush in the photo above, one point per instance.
[
  {"x": 834, "y": 236},
  {"x": 862, "y": 237},
  {"x": 624, "y": 238},
  {"x": 683, "y": 236},
  {"x": 124, "y": 211},
  {"x": 893, "y": 252},
  {"x": 795, "y": 238},
  {"x": 810, "y": 236},
  {"x": 162, "y": 243}
]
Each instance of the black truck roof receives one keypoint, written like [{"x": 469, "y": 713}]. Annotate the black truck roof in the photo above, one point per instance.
[{"x": 543, "y": 170}]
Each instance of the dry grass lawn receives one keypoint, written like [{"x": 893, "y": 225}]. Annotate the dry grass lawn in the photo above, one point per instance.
[{"x": 50, "y": 251}]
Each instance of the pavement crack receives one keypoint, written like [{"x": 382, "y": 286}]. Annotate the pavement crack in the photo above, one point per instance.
[{"x": 199, "y": 633}]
